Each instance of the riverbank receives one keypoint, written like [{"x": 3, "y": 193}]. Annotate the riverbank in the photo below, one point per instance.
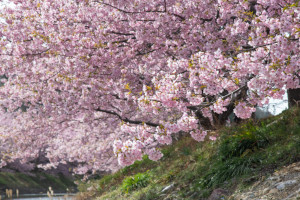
[
  {"x": 34, "y": 183},
  {"x": 242, "y": 156}
]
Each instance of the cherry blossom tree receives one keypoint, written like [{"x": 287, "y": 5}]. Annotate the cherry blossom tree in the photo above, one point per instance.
[{"x": 102, "y": 81}]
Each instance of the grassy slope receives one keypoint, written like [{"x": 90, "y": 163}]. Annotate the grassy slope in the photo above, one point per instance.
[
  {"x": 36, "y": 183},
  {"x": 239, "y": 157}
]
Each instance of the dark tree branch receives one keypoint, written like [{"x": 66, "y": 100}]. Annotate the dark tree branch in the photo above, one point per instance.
[
  {"x": 138, "y": 122},
  {"x": 118, "y": 33}
]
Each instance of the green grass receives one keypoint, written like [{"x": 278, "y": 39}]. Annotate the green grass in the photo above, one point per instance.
[{"x": 240, "y": 156}]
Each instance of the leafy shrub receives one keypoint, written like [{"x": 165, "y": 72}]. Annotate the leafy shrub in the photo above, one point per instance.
[
  {"x": 137, "y": 181},
  {"x": 246, "y": 140}
]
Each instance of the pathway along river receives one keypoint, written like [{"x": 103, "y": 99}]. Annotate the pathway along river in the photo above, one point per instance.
[{"x": 59, "y": 196}]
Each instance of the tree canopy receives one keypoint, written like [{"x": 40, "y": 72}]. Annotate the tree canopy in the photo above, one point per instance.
[{"x": 102, "y": 81}]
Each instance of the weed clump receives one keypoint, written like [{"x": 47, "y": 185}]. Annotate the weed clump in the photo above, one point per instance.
[
  {"x": 137, "y": 181},
  {"x": 245, "y": 140}
]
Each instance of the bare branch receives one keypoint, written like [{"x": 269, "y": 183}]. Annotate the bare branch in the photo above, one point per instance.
[{"x": 138, "y": 122}]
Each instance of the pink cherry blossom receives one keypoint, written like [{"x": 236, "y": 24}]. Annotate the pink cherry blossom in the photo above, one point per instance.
[{"x": 103, "y": 83}]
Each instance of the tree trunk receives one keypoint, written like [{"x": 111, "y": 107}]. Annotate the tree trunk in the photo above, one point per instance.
[{"x": 294, "y": 97}]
